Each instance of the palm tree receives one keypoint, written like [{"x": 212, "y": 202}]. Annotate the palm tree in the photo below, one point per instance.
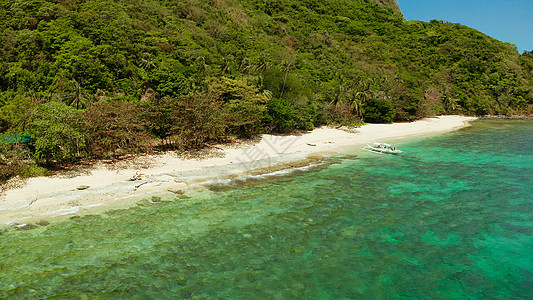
[
  {"x": 262, "y": 65},
  {"x": 225, "y": 68},
  {"x": 245, "y": 65},
  {"x": 362, "y": 92},
  {"x": 285, "y": 67},
  {"x": 450, "y": 103},
  {"x": 268, "y": 94},
  {"x": 146, "y": 62},
  {"x": 340, "y": 89},
  {"x": 201, "y": 66},
  {"x": 357, "y": 102},
  {"x": 76, "y": 96}
]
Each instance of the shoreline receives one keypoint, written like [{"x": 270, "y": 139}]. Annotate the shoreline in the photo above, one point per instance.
[
  {"x": 506, "y": 117},
  {"x": 170, "y": 175}
]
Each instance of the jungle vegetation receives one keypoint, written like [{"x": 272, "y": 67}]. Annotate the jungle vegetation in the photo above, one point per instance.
[{"x": 99, "y": 79}]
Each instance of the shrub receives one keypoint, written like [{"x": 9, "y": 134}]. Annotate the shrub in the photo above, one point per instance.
[
  {"x": 279, "y": 116},
  {"x": 55, "y": 128},
  {"x": 11, "y": 162},
  {"x": 243, "y": 105},
  {"x": 188, "y": 121},
  {"x": 378, "y": 111},
  {"x": 306, "y": 115},
  {"x": 114, "y": 129},
  {"x": 16, "y": 111},
  {"x": 340, "y": 115}
]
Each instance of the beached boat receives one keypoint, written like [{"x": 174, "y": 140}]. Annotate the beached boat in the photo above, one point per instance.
[{"x": 382, "y": 148}]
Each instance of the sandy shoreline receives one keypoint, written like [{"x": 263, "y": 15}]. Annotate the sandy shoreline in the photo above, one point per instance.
[{"x": 44, "y": 198}]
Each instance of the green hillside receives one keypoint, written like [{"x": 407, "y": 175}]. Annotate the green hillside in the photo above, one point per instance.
[{"x": 243, "y": 66}]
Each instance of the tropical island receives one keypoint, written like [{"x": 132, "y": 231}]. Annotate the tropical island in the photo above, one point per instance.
[
  {"x": 82, "y": 81},
  {"x": 189, "y": 149}
]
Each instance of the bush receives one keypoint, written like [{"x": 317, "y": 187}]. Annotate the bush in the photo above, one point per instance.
[
  {"x": 55, "y": 128},
  {"x": 16, "y": 111},
  {"x": 15, "y": 160},
  {"x": 11, "y": 162},
  {"x": 378, "y": 111},
  {"x": 306, "y": 115},
  {"x": 243, "y": 105},
  {"x": 201, "y": 119},
  {"x": 188, "y": 121},
  {"x": 279, "y": 116},
  {"x": 114, "y": 129},
  {"x": 340, "y": 115}
]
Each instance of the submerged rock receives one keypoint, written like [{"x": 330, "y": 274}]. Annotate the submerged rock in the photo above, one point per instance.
[
  {"x": 26, "y": 226},
  {"x": 176, "y": 191},
  {"x": 43, "y": 223},
  {"x": 145, "y": 202}
]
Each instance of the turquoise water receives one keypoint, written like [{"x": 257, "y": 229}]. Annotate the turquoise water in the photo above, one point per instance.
[{"x": 452, "y": 217}]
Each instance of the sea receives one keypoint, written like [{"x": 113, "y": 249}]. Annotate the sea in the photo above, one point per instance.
[{"x": 450, "y": 218}]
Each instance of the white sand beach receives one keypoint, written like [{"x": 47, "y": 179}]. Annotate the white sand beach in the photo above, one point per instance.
[{"x": 108, "y": 185}]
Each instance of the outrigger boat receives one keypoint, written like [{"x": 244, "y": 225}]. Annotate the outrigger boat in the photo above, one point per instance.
[{"x": 382, "y": 148}]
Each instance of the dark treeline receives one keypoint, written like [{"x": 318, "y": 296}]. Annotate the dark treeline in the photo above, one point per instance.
[{"x": 99, "y": 79}]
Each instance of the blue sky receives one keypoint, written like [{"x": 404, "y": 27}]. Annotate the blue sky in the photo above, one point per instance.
[{"x": 508, "y": 21}]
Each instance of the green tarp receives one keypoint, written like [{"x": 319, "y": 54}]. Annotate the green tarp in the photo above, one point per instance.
[{"x": 15, "y": 138}]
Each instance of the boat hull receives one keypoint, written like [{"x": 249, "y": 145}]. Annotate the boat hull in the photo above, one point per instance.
[
  {"x": 384, "y": 151},
  {"x": 382, "y": 148}
]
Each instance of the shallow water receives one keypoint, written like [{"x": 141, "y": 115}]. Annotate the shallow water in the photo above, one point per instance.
[{"x": 452, "y": 217}]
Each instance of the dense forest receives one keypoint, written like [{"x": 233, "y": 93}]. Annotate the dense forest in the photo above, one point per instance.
[{"x": 98, "y": 79}]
